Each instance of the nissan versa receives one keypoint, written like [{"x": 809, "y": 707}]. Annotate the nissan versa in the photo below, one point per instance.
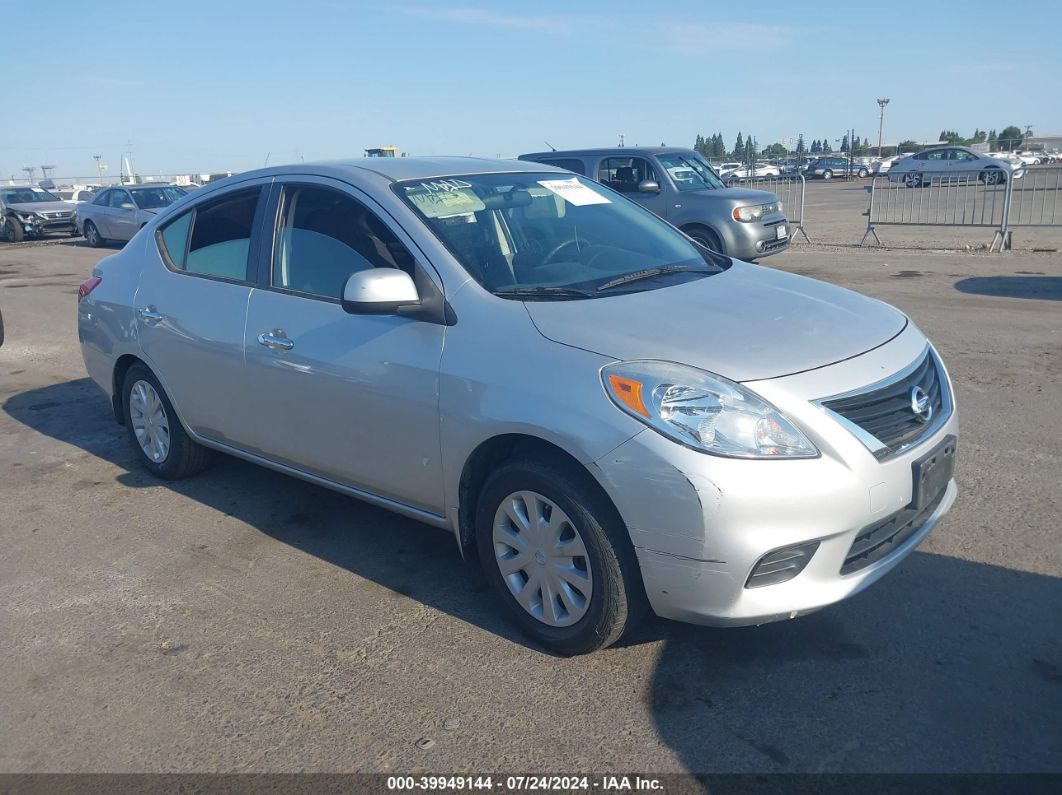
[{"x": 611, "y": 416}]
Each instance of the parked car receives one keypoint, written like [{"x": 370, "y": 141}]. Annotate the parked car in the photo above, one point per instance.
[
  {"x": 30, "y": 212},
  {"x": 725, "y": 168},
  {"x": 607, "y": 414},
  {"x": 1009, "y": 157},
  {"x": 118, "y": 213},
  {"x": 78, "y": 193},
  {"x": 884, "y": 165},
  {"x": 830, "y": 167},
  {"x": 734, "y": 176},
  {"x": 949, "y": 163},
  {"x": 1030, "y": 158},
  {"x": 680, "y": 186}
]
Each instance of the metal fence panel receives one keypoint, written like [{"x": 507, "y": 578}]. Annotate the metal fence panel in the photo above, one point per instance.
[{"x": 1035, "y": 198}]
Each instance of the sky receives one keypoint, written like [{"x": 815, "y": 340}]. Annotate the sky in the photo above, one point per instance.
[{"x": 229, "y": 84}]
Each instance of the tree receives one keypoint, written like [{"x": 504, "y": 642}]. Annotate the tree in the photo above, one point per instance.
[
  {"x": 1010, "y": 138},
  {"x": 739, "y": 146},
  {"x": 993, "y": 140},
  {"x": 844, "y": 143},
  {"x": 801, "y": 148},
  {"x": 776, "y": 150},
  {"x": 908, "y": 146},
  {"x": 826, "y": 148},
  {"x": 720, "y": 147},
  {"x": 979, "y": 137}
]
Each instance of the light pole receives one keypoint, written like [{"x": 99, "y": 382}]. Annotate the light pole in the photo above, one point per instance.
[
  {"x": 881, "y": 121},
  {"x": 99, "y": 168}
]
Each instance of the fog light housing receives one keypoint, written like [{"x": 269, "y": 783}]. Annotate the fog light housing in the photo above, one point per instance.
[{"x": 781, "y": 565}]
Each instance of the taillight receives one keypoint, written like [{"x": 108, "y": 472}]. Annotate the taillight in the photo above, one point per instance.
[{"x": 88, "y": 286}]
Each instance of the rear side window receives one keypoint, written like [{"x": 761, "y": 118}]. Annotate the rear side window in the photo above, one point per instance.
[{"x": 213, "y": 239}]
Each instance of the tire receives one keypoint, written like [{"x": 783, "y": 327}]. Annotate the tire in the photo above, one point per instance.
[
  {"x": 827, "y": 174},
  {"x": 93, "y": 236},
  {"x": 12, "y": 230},
  {"x": 603, "y": 596},
  {"x": 182, "y": 457},
  {"x": 863, "y": 173},
  {"x": 992, "y": 176},
  {"x": 706, "y": 237},
  {"x": 912, "y": 180}
]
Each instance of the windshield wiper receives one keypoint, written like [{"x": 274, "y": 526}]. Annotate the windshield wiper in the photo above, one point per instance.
[
  {"x": 544, "y": 292},
  {"x": 650, "y": 273}
]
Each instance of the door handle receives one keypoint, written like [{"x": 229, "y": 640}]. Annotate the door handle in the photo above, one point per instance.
[
  {"x": 150, "y": 315},
  {"x": 276, "y": 340}
]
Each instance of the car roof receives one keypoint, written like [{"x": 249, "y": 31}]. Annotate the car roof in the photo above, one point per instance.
[
  {"x": 617, "y": 151},
  {"x": 397, "y": 169}
]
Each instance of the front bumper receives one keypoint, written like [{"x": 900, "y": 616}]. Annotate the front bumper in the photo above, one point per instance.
[
  {"x": 43, "y": 226},
  {"x": 758, "y": 239},
  {"x": 700, "y": 523}
]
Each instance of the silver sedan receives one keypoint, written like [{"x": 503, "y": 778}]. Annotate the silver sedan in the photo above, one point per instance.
[
  {"x": 118, "y": 213},
  {"x": 612, "y": 417}
]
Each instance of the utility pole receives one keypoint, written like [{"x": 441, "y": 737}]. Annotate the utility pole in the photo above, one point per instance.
[
  {"x": 45, "y": 170},
  {"x": 29, "y": 171},
  {"x": 621, "y": 140},
  {"x": 881, "y": 121},
  {"x": 99, "y": 168}
]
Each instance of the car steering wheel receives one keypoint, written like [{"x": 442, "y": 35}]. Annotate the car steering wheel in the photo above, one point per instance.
[{"x": 557, "y": 249}]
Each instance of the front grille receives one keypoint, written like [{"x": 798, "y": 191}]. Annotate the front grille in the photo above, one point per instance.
[
  {"x": 774, "y": 245},
  {"x": 57, "y": 215},
  {"x": 881, "y": 539},
  {"x": 887, "y": 413}
]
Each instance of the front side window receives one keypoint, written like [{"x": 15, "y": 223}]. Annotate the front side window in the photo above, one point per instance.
[
  {"x": 690, "y": 171},
  {"x": 104, "y": 199},
  {"x": 936, "y": 155},
  {"x": 154, "y": 198},
  {"x": 541, "y": 236},
  {"x": 324, "y": 236},
  {"x": 119, "y": 197},
  {"x": 213, "y": 239},
  {"x": 624, "y": 173}
]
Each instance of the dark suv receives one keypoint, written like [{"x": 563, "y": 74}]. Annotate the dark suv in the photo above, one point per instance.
[{"x": 681, "y": 187}]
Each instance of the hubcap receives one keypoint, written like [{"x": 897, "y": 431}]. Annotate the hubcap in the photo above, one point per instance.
[
  {"x": 542, "y": 558},
  {"x": 150, "y": 423}
]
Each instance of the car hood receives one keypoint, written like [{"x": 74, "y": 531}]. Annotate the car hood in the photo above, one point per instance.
[
  {"x": 746, "y": 323},
  {"x": 39, "y": 207},
  {"x": 736, "y": 194}
]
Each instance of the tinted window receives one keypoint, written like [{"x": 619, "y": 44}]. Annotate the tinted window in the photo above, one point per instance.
[
  {"x": 119, "y": 197},
  {"x": 624, "y": 173},
  {"x": 324, "y": 236},
  {"x": 962, "y": 155},
  {"x": 569, "y": 163},
  {"x": 104, "y": 198},
  {"x": 154, "y": 198},
  {"x": 220, "y": 236}
]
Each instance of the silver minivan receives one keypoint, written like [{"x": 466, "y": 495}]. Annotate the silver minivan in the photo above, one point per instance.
[{"x": 612, "y": 416}]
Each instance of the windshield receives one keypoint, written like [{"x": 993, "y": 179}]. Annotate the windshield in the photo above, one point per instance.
[
  {"x": 26, "y": 195},
  {"x": 550, "y": 237},
  {"x": 690, "y": 171},
  {"x": 153, "y": 198}
]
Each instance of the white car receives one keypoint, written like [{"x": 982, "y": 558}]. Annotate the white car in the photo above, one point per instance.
[
  {"x": 749, "y": 172},
  {"x": 885, "y": 165},
  {"x": 1031, "y": 158},
  {"x": 946, "y": 163},
  {"x": 724, "y": 169},
  {"x": 1009, "y": 157}
]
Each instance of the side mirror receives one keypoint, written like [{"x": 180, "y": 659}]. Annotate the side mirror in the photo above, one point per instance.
[
  {"x": 379, "y": 291},
  {"x": 648, "y": 186},
  {"x": 128, "y": 206}
]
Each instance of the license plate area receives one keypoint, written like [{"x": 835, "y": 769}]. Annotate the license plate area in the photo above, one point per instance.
[
  {"x": 932, "y": 473},
  {"x": 780, "y": 232}
]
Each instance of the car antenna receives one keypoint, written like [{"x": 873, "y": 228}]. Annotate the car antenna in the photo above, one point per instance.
[{"x": 551, "y": 146}]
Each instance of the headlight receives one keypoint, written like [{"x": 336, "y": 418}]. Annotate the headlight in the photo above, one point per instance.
[
  {"x": 754, "y": 212},
  {"x": 703, "y": 411}
]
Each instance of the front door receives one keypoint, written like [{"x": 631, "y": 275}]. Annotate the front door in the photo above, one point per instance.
[
  {"x": 121, "y": 220},
  {"x": 625, "y": 174},
  {"x": 352, "y": 398}
]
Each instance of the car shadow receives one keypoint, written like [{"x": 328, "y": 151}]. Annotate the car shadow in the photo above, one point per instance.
[
  {"x": 1044, "y": 288},
  {"x": 945, "y": 665},
  {"x": 400, "y": 554}
]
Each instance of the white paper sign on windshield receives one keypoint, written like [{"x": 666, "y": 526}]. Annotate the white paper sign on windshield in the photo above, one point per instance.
[{"x": 573, "y": 191}]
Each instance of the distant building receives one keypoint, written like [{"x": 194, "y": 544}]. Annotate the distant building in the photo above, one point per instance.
[{"x": 1038, "y": 143}]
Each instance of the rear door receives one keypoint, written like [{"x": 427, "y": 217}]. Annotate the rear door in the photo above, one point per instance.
[
  {"x": 351, "y": 398},
  {"x": 191, "y": 306}
]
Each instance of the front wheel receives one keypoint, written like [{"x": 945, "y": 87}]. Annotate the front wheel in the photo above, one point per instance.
[
  {"x": 163, "y": 445},
  {"x": 863, "y": 173},
  {"x": 706, "y": 238},
  {"x": 93, "y": 236},
  {"x": 11, "y": 230},
  {"x": 558, "y": 556},
  {"x": 992, "y": 176}
]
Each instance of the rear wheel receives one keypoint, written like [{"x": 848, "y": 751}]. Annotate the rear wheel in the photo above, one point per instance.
[
  {"x": 11, "y": 230},
  {"x": 558, "y": 556},
  {"x": 864, "y": 173},
  {"x": 93, "y": 236},
  {"x": 164, "y": 446},
  {"x": 912, "y": 179},
  {"x": 827, "y": 174}
]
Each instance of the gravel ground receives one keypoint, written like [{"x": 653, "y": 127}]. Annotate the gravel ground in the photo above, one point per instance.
[{"x": 246, "y": 621}]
